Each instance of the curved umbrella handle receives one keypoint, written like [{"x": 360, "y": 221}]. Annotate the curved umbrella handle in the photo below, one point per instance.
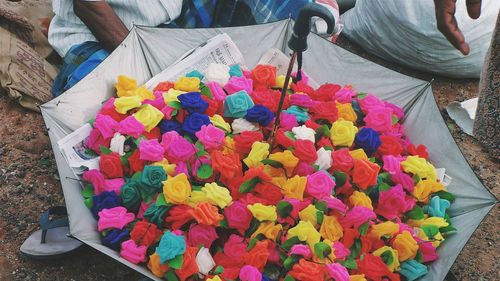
[{"x": 302, "y": 26}]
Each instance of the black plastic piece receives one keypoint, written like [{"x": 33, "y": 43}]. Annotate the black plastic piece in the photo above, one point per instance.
[{"x": 302, "y": 26}]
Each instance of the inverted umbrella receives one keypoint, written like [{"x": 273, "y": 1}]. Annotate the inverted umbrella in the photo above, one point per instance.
[{"x": 147, "y": 51}]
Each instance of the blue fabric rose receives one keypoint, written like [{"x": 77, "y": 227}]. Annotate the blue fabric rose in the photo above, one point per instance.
[
  {"x": 193, "y": 102},
  {"x": 196, "y": 73},
  {"x": 299, "y": 112},
  {"x": 437, "y": 207},
  {"x": 105, "y": 200},
  {"x": 193, "y": 123},
  {"x": 235, "y": 70},
  {"x": 170, "y": 125},
  {"x": 114, "y": 238},
  {"x": 170, "y": 246},
  {"x": 368, "y": 139},
  {"x": 412, "y": 270},
  {"x": 260, "y": 114},
  {"x": 237, "y": 104}
]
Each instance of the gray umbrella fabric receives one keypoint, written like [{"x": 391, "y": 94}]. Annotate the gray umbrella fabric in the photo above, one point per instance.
[{"x": 147, "y": 51}]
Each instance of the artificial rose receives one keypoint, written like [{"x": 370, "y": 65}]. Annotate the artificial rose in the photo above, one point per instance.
[
  {"x": 211, "y": 137},
  {"x": 106, "y": 125},
  {"x": 304, "y": 133},
  {"x": 344, "y": 95},
  {"x": 307, "y": 271},
  {"x": 238, "y": 216},
  {"x": 177, "y": 189},
  {"x": 320, "y": 185},
  {"x": 325, "y": 92},
  {"x": 235, "y": 248},
  {"x": 237, "y": 104},
  {"x": 228, "y": 165},
  {"x": 117, "y": 144},
  {"x": 206, "y": 214},
  {"x": 357, "y": 216},
  {"x": 264, "y": 76},
  {"x": 305, "y": 231},
  {"x": 170, "y": 246},
  {"x": 343, "y": 133},
  {"x": 295, "y": 187},
  {"x": 342, "y": 160},
  {"x": 250, "y": 273},
  {"x": 259, "y": 114},
  {"x": 132, "y": 252},
  {"x": 245, "y": 140},
  {"x": 302, "y": 87},
  {"x": 286, "y": 158},
  {"x": 111, "y": 165},
  {"x": 325, "y": 111},
  {"x": 324, "y": 161},
  {"x": 406, "y": 246},
  {"x": 213, "y": 106},
  {"x": 201, "y": 235},
  {"x": 262, "y": 212},
  {"x": 149, "y": 116},
  {"x": 192, "y": 102},
  {"x": 390, "y": 145},
  {"x": 337, "y": 272},
  {"x": 394, "y": 265},
  {"x": 194, "y": 122},
  {"x": 96, "y": 178},
  {"x": 187, "y": 84},
  {"x": 145, "y": 233},
  {"x": 346, "y": 112},
  {"x": 258, "y": 255},
  {"x": 419, "y": 166},
  {"x": 305, "y": 150},
  {"x": 269, "y": 98},
  {"x": 218, "y": 93},
  {"x": 131, "y": 196},
  {"x": 218, "y": 73},
  {"x": 220, "y": 123},
  {"x": 288, "y": 121},
  {"x": 331, "y": 229},
  {"x": 151, "y": 150},
  {"x": 368, "y": 139},
  {"x": 156, "y": 267},
  {"x": 237, "y": 84},
  {"x": 259, "y": 152},
  {"x": 124, "y": 104},
  {"x": 116, "y": 217},
  {"x": 364, "y": 173},
  {"x": 95, "y": 140},
  {"x": 179, "y": 150},
  {"x": 217, "y": 195},
  {"x": 125, "y": 86},
  {"x": 360, "y": 199},
  {"x": 379, "y": 119},
  {"x": 303, "y": 100},
  {"x": 135, "y": 163},
  {"x": 393, "y": 203},
  {"x": 300, "y": 113},
  {"x": 373, "y": 267},
  {"x": 178, "y": 216}
]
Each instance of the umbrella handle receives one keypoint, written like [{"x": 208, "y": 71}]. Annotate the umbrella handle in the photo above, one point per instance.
[{"x": 302, "y": 26}]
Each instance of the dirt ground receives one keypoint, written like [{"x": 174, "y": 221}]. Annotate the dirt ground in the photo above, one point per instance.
[{"x": 29, "y": 183}]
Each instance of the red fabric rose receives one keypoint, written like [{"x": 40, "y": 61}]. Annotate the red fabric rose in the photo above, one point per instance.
[
  {"x": 231, "y": 266},
  {"x": 145, "y": 233},
  {"x": 96, "y": 140},
  {"x": 178, "y": 216},
  {"x": 373, "y": 267},
  {"x": 111, "y": 165},
  {"x": 311, "y": 124},
  {"x": 135, "y": 163},
  {"x": 110, "y": 111},
  {"x": 257, "y": 256},
  {"x": 390, "y": 145},
  {"x": 282, "y": 139},
  {"x": 307, "y": 271},
  {"x": 269, "y": 98},
  {"x": 345, "y": 189},
  {"x": 213, "y": 106},
  {"x": 164, "y": 86},
  {"x": 325, "y": 92},
  {"x": 264, "y": 76},
  {"x": 189, "y": 265},
  {"x": 228, "y": 165},
  {"x": 305, "y": 151},
  {"x": 342, "y": 161},
  {"x": 420, "y": 150},
  {"x": 270, "y": 193},
  {"x": 155, "y": 133},
  {"x": 324, "y": 141},
  {"x": 302, "y": 88},
  {"x": 325, "y": 110},
  {"x": 349, "y": 235},
  {"x": 364, "y": 173},
  {"x": 243, "y": 142}
]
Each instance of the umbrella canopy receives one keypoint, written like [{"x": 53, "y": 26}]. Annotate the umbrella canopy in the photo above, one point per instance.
[{"x": 147, "y": 51}]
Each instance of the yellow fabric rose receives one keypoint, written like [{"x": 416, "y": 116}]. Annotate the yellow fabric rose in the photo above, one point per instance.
[
  {"x": 228, "y": 147},
  {"x": 217, "y": 195},
  {"x": 331, "y": 229},
  {"x": 343, "y": 133},
  {"x": 358, "y": 198},
  {"x": 309, "y": 214},
  {"x": 294, "y": 187},
  {"x": 419, "y": 166},
  {"x": 395, "y": 260},
  {"x": 144, "y": 93},
  {"x": 358, "y": 154},
  {"x": 124, "y": 104},
  {"x": 436, "y": 221},
  {"x": 346, "y": 112},
  {"x": 259, "y": 152},
  {"x": 436, "y": 239},
  {"x": 406, "y": 246},
  {"x": 172, "y": 95},
  {"x": 269, "y": 229},
  {"x": 305, "y": 231},
  {"x": 286, "y": 158},
  {"x": 188, "y": 84},
  {"x": 125, "y": 86},
  {"x": 263, "y": 212},
  {"x": 149, "y": 116},
  {"x": 167, "y": 167},
  {"x": 386, "y": 228},
  {"x": 218, "y": 121},
  {"x": 357, "y": 277},
  {"x": 197, "y": 197},
  {"x": 280, "y": 82},
  {"x": 425, "y": 188},
  {"x": 215, "y": 278},
  {"x": 177, "y": 189}
]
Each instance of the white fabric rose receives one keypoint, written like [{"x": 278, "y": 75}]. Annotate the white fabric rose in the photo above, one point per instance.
[
  {"x": 204, "y": 261},
  {"x": 324, "y": 160},
  {"x": 240, "y": 125},
  {"x": 117, "y": 144},
  {"x": 304, "y": 133},
  {"x": 218, "y": 73}
]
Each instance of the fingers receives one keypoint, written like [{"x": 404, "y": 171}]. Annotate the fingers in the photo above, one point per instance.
[
  {"x": 447, "y": 25},
  {"x": 474, "y": 8}
]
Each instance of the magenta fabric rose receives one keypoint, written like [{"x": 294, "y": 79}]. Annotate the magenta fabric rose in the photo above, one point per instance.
[
  {"x": 250, "y": 273},
  {"x": 288, "y": 121},
  {"x": 394, "y": 202},
  {"x": 303, "y": 101},
  {"x": 357, "y": 216},
  {"x": 337, "y": 272},
  {"x": 151, "y": 150},
  {"x": 336, "y": 204},
  {"x": 179, "y": 150},
  {"x": 427, "y": 249},
  {"x": 182, "y": 168},
  {"x": 95, "y": 178},
  {"x": 404, "y": 227},
  {"x": 398, "y": 111},
  {"x": 301, "y": 250},
  {"x": 200, "y": 234},
  {"x": 341, "y": 251},
  {"x": 344, "y": 95},
  {"x": 133, "y": 253},
  {"x": 114, "y": 185},
  {"x": 238, "y": 216},
  {"x": 320, "y": 185},
  {"x": 369, "y": 102},
  {"x": 131, "y": 127},
  {"x": 218, "y": 93},
  {"x": 237, "y": 84},
  {"x": 168, "y": 137},
  {"x": 106, "y": 125},
  {"x": 211, "y": 137},
  {"x": 235, "y": 248},
  {"x": 379, "y": 119},
  {"x": 158, "y": 102},
  {"x": 305, "y": 77},
  {"x": 116, "y": 217},
  {"x": 168, "y": 112},
  {"x": 404, "y": 180},
  {"x": 392, "y": 164},
  {"x": 303, "y": 169}
]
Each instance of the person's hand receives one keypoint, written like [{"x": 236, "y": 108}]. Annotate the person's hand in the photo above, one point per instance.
[{"x": 447, "y": 23}]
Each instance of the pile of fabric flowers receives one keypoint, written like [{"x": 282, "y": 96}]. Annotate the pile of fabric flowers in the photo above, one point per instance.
[{"x": 193, "y": 183}]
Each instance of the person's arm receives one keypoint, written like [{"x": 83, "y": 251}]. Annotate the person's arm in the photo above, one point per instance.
[
  {"x": 447, "y": 24},
  {"x": 102, "y": 21}
]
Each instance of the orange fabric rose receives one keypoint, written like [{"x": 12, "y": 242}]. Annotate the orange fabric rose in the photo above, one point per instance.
[
  {"x": 258, "y": 255},
  {"x": 156, "y": 267},
  {"x": 207, "y": 214},
  {"x": 307, "y": 271},
  {"x": 189, "y": 266},
  {"x": 264, "y": 76},
  {"x": 365, "y": 173},
  {"x": 229, "y": 165}
]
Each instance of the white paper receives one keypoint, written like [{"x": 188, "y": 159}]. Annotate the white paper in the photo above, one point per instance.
[
  {"x": 73, "y": 149},
  {"x": 219, "y": 49},
  {"x": 463, "y": 113},
  {"x": 443, "y": 177}
]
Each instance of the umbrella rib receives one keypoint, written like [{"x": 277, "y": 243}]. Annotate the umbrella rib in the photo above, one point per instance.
[{"x": 408, "y": 107}]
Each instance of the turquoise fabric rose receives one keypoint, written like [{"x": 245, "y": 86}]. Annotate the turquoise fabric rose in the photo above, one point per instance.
[
  {"x": 413, "y": 270},
  {"x": 437, "y": 207},
  {"x": 237, "y": 104},
  {"x": 235, "y": 70},
  {"x": 196, "y": 73},
  {"x": 299, "y": 112},
  {"x": 170, "y": 246}
]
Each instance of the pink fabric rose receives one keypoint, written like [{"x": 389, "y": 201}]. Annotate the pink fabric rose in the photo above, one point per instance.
[
  {"x": 114, "y": 185},
  {"x": 218, "y": 93},
  {"x": 116, "y": 217},
  {"x": 404, "y": 180},
  {"x": 151, "y": 150},
  {"x": 133, "y": 253},
  {"x": 158, "y": 102},
  {"x": 181, "y": 168},
  {"x": 336, "y": 204},
  {"x": 238, "y": 216},
  {"x": 341, "y": 252},
  {"x": 95, "y": 140},
  {"x": 344, "y": 95},
  {"x": 179, "y": 150},
  {"x": 211, "y": 137},
  {"x": 427, "y": 249},
  {"x": 379, "y": 119},
  {"x": 303, "y": 101},
  {"x": 168, "y": 112},
  {"x": 288, "y": 121},
  {"x": 250, "y": 273},
  {"x": 337, "y": 272},
  {"x": 320, "y": 185},
  {"x": 130, "y": 126},
  {"x": 200, "y": 234},
  {"x": 404, "y": 227},
  {"x": 237, "y": 84},
  {"x": 294, "y": 214},
  {"x": 369, "y": 102},
  {"x": 392, "y": 164},
  {"x": 398, "y": 111},
  {"x": 393, "y": 203},
  {"x": 235, "y": 248},
  {"x": 357, "y": 216},
  {"x": 303, "y": 169},
  {"x": 301, "y": 250},
  {"x": 106, "y": 125},
  {"x": 96, "y": 178}
]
